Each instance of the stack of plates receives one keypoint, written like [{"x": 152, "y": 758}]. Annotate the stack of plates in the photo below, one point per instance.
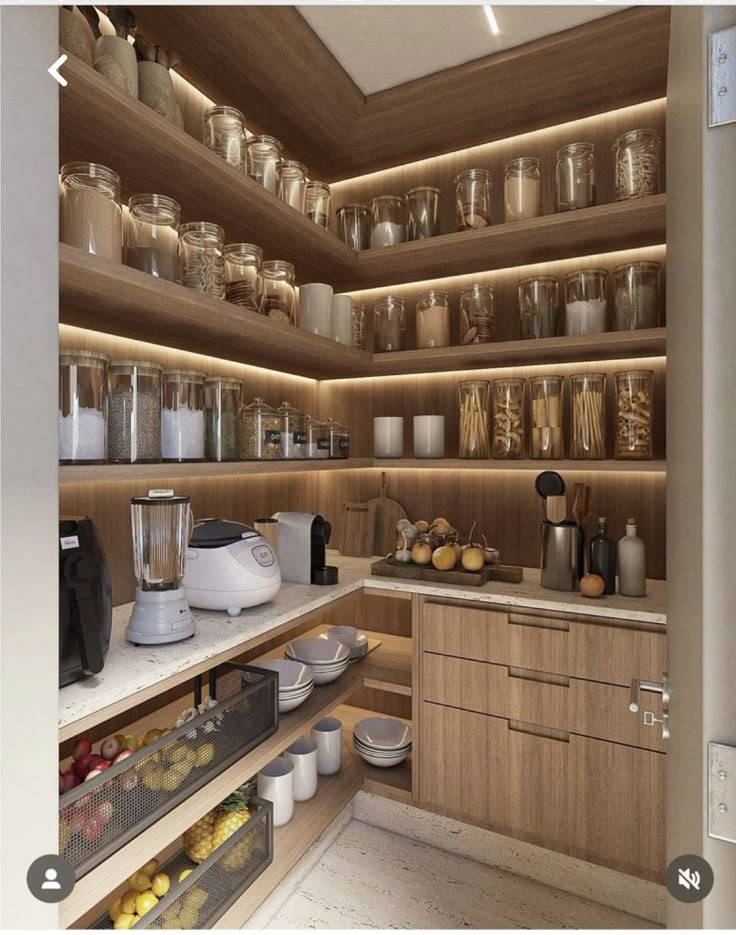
[
  {"x": 327, "y": 659},
  {"x": 295, "y": 682},
  {"x": 382, "y": 741}
]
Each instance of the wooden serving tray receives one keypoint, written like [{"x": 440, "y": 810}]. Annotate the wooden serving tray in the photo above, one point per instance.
[{"x": 390, "y": 568}]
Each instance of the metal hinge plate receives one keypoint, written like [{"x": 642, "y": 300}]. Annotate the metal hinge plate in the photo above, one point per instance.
[
  {"x": 722, "y": 77},
  {"x": 722, "y": 792}
]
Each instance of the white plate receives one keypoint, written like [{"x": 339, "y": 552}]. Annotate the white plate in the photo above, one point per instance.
[
  {"x": 383, "y": 733},
  {"x": 292, "y": 674},
  {"x": 382, "y": 762},
  {"x": 317, "y": 651}
]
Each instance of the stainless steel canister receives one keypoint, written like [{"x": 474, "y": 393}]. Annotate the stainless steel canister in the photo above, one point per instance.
[{"x": 562, "y": 556}]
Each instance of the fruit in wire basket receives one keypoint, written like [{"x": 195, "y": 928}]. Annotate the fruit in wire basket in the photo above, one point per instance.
[
  {"x": 160, "y": 884},
  {"x": 125, "y": 920},
  {"x": 144, "y": 902},
  {"x": 214, "y": 828}
]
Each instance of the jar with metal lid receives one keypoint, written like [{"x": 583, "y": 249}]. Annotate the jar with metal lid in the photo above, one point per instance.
[
  {"x": 243, "y": 275},
  {"x": 223, "y": 398},
  {"x": 292, "y": 178},
  {"x": 473, "y": 199},
  {"x": 182, "y": 415},
  {"x": 636, "y": 296},
  {"x": 354, "y": 226},
  {"x": 318, "y": 438},
  {"x": 201, "y": 252},
  {"x": 475, "y": 399},
  {"x": 546, "y": 405},
  {"x": 317, "y": 202},
  {"x": 433, "y": 319},
  {"x": 339, "y": 439},
  {"x": 539, "y": 301},
  {"x": 279, "y": 293},
  {"x": 575, "y": 176},
  {"x": 152, "y": 236},
  {"x": 477, "y": 314},
  {"x": 388, "y": 221},
  {"x": 422, "y": 212},
  {"x": 358, "y": 323},
  {"x": 508, "y": 418},
  {"x": 634, "y": 405},
  {"x": 637, "y": 155},
  {"x": 263, "y": 154},
  {"x": 82, "y": 407},
  {"x": 260, "y": 432},
  {"x": 90, "y": 212},
  {"x": 522, "y": 189},
  {"x": 293, "y": 424},
  {"x": 133, "y": 411},
  {"x": 389, "y": 324},
  {"x": 587, "y": 403},
  {"x": 586, "y": 302},
  {"x": 223, "y": 132}
]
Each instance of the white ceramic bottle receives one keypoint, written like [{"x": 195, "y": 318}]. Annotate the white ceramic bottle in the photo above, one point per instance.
[{"x": 632, "y": 573}]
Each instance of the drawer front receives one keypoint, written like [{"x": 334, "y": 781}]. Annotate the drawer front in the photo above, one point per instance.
[{"x": 617, "y": 654}]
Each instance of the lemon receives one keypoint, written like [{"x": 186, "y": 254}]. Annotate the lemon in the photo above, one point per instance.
[
  {"x": 196, "y": 898},
  {"x": 139, "y": 882},
  {"x": 205, "y": 754},
  {"x": 145, "y": 902},
  {"x": 150, "y": 868},
  {"x": 184, "y": 874},
  {"x": 127, "y": 903},
  {"x": 124, "y": 920},
  {"x": 171, "y": 780},
  {"x": 114, "y": 909},
  {"x": 160, "y": 884},
  {"x": 188, "y": 918}
]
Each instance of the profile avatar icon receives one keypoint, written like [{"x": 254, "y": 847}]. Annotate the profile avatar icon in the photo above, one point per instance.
[{"x": 51, "y": 883}]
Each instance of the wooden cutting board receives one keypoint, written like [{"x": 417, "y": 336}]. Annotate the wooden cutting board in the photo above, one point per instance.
[
  {"x": 388, "y": 513},
  {"x": 390, "y": 568},
  {"x": 357, "y": 528}
]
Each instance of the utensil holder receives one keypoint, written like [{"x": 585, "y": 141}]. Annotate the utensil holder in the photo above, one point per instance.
[{"x": 562, "y": 556}]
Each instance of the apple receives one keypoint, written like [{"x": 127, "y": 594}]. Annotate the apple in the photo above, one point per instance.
[
  {"x": 123, "y": 755},
  {"x": 473, "y": 559},
  {"x": 443, "y": 558},
  {"x": 96, "y": 770},
  {"x": 83, "y": 765},
  {"x": 592, "y": 585},
  {"x": 68, "y": 780},
  {"x": 110, "y": 748},
  {"x": 421, "y": 554},
  {"x": 81, "y": 747}
]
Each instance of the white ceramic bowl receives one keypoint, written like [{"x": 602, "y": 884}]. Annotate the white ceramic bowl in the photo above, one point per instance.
[
  {"x": 292, "y": 675},
  {"x": 324, "y": 678},
  {"x": 316, "y": 651},
  {"x": 361, "y": 746},
  {"x": 383, "y": 762},
  {"x": 290, "y": 703},
  {"x": 383, "y": 733}
]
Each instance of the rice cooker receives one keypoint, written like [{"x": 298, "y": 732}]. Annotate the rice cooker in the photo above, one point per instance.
[{"x": 229, "y": 566}]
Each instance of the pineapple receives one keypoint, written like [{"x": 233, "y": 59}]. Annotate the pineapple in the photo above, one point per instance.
[
  {"x": 214, "y": 828},
  {"x": 198, "y": 839},
  {"x": 232, "y": 814}
]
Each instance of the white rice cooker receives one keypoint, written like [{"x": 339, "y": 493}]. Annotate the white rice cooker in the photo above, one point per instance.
[{"x": 229, "y": 566}]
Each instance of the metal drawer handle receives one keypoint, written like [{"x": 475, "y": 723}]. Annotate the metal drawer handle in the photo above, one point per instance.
[{"x": 658, "y": 688}]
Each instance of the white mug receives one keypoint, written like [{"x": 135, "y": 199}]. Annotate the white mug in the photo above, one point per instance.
[
  {"x": 388, "y": 436},
  {"x": 276, "y": 783},
  {"x": 342, "y": 319},
  {"x": 303, "y": 754},
  {"x": 429, "y": 436},
  {"x": 315, "y": 304},
  {"x": 327, "y": 734}
]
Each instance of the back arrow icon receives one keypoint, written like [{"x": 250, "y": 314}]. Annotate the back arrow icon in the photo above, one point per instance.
[{"x": 54, "y": 70}]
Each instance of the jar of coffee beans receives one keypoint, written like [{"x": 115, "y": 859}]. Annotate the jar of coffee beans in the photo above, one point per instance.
[{"x": 260, "y": 432}]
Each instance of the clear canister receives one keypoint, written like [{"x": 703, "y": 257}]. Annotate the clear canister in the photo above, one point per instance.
[
  {"x": 539, "y": 301},
  {"x": 636, "y": 296},
  {"x": 354, "y": 226},
  {"x": 587, "y": 403},
  {"x": 82, "y": 407},
  {"x": 586, "y": 302},
  {"x": 637, "y": 155},
  {"x": 202, "y": 257},
  {"x": 182, "y": 415},
  {"x": 222, "y": 401},
  {"x": 318, "y": 438},
  {"x": 388, "y": 221},
  {"x": 575, "y": 176},
  {"x": 90, "y": 212},
  {"x": 422, "y": 213},
  {"x": 134, "y": 411},
  {"x": 634, "y": 404},
  {"x": 546, "y": 406},
  {"x": 433, "y": 319},
  {"x": 279, "y": 293},
  {"x": 263, "y": 154},
  {"x": 477, "y": 314},
  {"x": 223, "y": 132},
  {"x": 243, "y": 275},
  {"x": 260, "y": 432},
  {"x": 473, "y": 199},
  {"x": 389, "y": 324},
  {"x": 508, "y": 418},
  {"x": 339, "y": 439},
  {"x": 358, "y": 323},
  {"x": 475, "y": 400},
  {"x": 152, "y": 236},
  {"x": 522, "y": 189},
  {"x": 293, "y": 424},
  {"x": 292, "y": 178},
  {"x": 317, "y": 203}
]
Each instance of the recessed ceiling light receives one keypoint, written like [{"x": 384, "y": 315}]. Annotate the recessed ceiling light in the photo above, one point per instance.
[{"x": 491, "y": 17}]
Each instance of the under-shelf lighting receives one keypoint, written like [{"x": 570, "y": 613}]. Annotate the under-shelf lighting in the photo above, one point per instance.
[{"x": 492, "y": 21}]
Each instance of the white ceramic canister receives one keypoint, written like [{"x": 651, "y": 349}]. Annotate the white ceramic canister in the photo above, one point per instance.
[
  {"x": 429, "y": 436},
  {"x": 315, "y": 307},
  {"x": 342, "y": 319},
  {"x": 327, "y": 734},
  {"x": 388, "y": 436},
  {"x": 303, "y": 754},
  {"x": 276, "y": 783}
]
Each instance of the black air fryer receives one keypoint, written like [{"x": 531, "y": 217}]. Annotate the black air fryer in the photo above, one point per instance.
[{"x": 85, "y": 600}]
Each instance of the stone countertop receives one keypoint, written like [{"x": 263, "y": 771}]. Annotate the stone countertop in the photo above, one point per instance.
[{"x": 131, "y": 669}]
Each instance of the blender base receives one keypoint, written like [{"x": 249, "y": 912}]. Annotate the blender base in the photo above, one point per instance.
[{"x": 160, "y": 617}]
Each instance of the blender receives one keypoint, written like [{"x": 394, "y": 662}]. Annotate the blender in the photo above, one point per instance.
[{"x": 161, "y": 526}]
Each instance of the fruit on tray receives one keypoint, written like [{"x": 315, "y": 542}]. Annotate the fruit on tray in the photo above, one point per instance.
[
  {"x": 214, "y": 828},
  {"x": 439, "y": 544}
]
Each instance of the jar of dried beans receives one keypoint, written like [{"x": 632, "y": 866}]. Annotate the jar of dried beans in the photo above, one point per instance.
[
  {"x": 637, "y": 156},
  {"x": 134, "y": 411},
  {"x": 636, "y": 296},
  {"x": 202, "y": 256},
  {"x": 634, "y": 394}
]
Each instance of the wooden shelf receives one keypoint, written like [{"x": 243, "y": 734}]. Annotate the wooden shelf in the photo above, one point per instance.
[
  {"x": 391, "y": 783},
  {"x": 461, "y": 464}
]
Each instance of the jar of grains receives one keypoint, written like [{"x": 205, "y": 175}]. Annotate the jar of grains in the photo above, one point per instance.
[
  {"x": 201, "y": 252},
  {"x": 134, "y": 411},
  {"x": 538, "y": 307},
  {"x": 586, "y": 302},
  {"x": 575, "y": 176},
  {"x": 243, "y": 275},
  {"x": 293, "y": 425},
  {"x": 475, "y": 397},
  {"x": 90, "y": 212},
  {"x": 263, "y": 154},
  {"x": 260, "y": 432},
  {"x": 522, "y": 189},
  {"x": 339, "y": 439},
  {"x": 82, "y": 407},
  {"x": 546, "y": 394},
  {"x": 433, "y": 319},
  {"x": 477, "y": 314},
  {"x": 354, "y": 226},
  {"x": 634, "y": 395},
  {"x": 223, "y": 132},
  {"x": 587, "y": 402},
  {"x": 388, "y": 221},
  {"x": 318, "y": 438},
  {"x": 292, "y": 179},
  {"x": 473, "y": 199},
  {"x": 358, "y": 323},
  {"x": 182, "y": 415},
  {"x": 317, "y": 203},
  {"x": 223, "y": 398},
  {"x": 637, "y": 155},
  {"x": 152, "y": 236},
  {"x": 636, "y": 296},
  {"x": 508, "y": 418},
  {"x": 422, "y": 213},
  {"x": 279, "y": 293},
  {"x": 389, "y": 324}
]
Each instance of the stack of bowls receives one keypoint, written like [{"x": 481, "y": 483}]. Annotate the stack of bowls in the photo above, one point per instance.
[
  {"x": 356, "y": 642},
  {"x": 327, "y": 659},
  {"x": 382, "y": 741},
  {"x": 295, "y": 682}
]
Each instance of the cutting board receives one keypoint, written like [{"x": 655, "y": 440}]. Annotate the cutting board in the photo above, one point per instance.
[
  {"x": 388, "y": 513},
  {"x": 390, "y": 568},
  {"x": 357, "y": 528}
]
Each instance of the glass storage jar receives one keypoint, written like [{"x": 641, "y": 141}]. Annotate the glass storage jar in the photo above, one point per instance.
[
  {"x": 260, "y": 432},
  {"x": 508, "y": 418},
  {"x": 152, "y": 236},
  {"x": 292, "y": 178},
  {"x": 293, "y": 426},
  {"x": 201, "y": 254},
  {"x": 587, "y": 402},
  {"x": 317, "y": 200},
  {"x": 82, "y": 407},
  {"x": 636, "y": 296},
  {"x": 318, "y": 438},
  {"x": 389, "y": 324},
  {"x": 422, "y": 213},
  {"x": 473, "y": 199},
  {"x": 475, "y": 398},
  {"x": 538, "y": 307},
  {"x": 575, "y": 176},
  {"x": 279, "y": 294},
  {"x": 637, "y": 155},
  {"x": 354, "y": 226},
  {"x": 243, "y": 275},
  {"x": 182, "y": 415},
  {"x": 339, "y": 439},
  {"x": 634, "y": 404},
  {"x": 388, "y": 221},
  {"x": 522, "y": 189},
  {"x": 90, "y": 213},
  {"x": 586, "y": 302},
  {"x": 263, "y": 154},
  {"x": 433, "y": 319},
  {"x": 223, "y": 398},
  {"x": 546, "y": 405},
  {"x": 358, "y": 322},
  {"x": 133, "y": 411},
  {"x": 477, "y": 314},
  {"x": 223, "y": 132}
]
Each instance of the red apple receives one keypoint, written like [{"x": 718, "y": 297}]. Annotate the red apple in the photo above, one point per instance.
[
  {"x": 105, "y": 811},
  {"x": 83, "y": 765},
  {"x": 96, "y": 770},
  {"x": 123, "y": 755},
  {"x": 81, "y": 746},
  {"x": 69, "y": 779},
  {"x": 92, "y": 828},
  {"x": 61, "y": 782}
]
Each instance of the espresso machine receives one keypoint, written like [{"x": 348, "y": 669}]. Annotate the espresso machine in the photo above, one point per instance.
[{"x": 303, "y": 539}]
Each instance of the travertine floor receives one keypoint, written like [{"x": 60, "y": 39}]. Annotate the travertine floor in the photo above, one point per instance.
[{"x": 371, "y": 878}]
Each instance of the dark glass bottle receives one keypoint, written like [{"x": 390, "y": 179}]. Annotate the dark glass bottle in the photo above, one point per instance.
[{"x": 603, "y": 557}]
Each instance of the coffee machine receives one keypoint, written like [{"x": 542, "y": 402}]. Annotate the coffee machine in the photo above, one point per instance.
[{"x": 303, "y": 539}]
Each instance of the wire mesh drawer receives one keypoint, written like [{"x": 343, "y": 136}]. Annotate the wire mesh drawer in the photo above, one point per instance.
[{"x": 98, "y": 817}]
